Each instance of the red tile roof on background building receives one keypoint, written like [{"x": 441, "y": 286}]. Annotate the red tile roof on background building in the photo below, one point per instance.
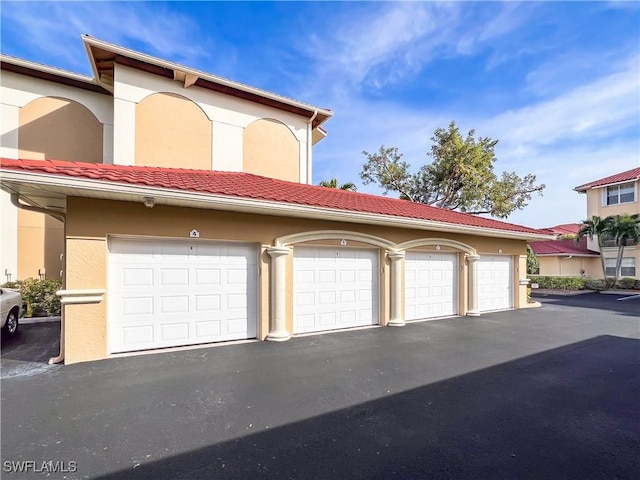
[
  {"x": 562, "y": 247},
  {"x": 563, "y": 229},
  {"x": 628, "y": 176},
  {"x": 249, "y": 186}
]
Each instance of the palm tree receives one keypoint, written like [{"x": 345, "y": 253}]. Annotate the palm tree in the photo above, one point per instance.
[
  {"x": 595, "y": 227},
  {"x": 625, "y": 230},
  {"x": 333, "y": 183}
]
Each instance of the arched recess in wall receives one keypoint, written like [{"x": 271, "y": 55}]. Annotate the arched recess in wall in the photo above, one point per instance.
[
  {"x": 271, "y": 149},
  {"x": 172, "y": 131},
  {"x": 302, "y": 237},
  {"x": 443, "y": 242},
  {"x": 60, "y": 129}
]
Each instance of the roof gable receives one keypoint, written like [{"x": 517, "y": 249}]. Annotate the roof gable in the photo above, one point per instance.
[
  {"x": 249, "y": 186},
  {"x": 104, "y": 55}
]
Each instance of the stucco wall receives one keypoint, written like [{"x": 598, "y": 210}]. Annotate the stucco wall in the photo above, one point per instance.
[
  {"x": 90, "y": 222},
  {"x": 60, "y": 129},
  {"x": 229, "y": 116},
  {"x": 16, "y": 92},
  {"x": 172, "y": 131},
  {"x": 85, "y": 326},
  {"x": 570, "y": 267},
  {"x": 271, "y": 150},
  {"x": 633, "y": 252},
  {"x": 595, "y": 206}
]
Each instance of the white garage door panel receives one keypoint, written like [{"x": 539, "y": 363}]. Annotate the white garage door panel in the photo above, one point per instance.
[
  {"x": 495, "y": 280},
  {"x": 170, "y": 293},
  {"x": 334, "y": 288},
  {"x": 430, "y": 285}
]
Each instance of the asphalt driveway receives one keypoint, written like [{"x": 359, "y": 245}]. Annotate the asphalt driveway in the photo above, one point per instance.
[
  {"x": 29, "y": 352},
  {"x": 542, "y": 393}
]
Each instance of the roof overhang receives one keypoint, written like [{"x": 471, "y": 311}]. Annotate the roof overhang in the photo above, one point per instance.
[
  {"x": 318, "y": 134},
  {"x": 51, "y": 191},
  {"x": 103, "y": 57},
  {"x": 52, "y": 74},
  {"x": 612, "y": 184}
]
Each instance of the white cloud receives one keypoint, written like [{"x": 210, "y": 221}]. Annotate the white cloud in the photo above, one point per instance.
[
  {"x": 588, "y": 113},
  {"x": 378, "y": 45},
  {"x": 578, "y": 135},
  {"x": 386, "y": 43},
  {"x": 55, "y": 28}
]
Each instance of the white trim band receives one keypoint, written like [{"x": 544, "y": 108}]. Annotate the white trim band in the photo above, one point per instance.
[{"x": 81, "y": 297}]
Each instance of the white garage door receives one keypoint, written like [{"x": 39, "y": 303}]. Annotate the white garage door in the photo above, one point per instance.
[
  {"x": 169, "y": 293},
  {"x": 495, "y": 278},
  {"x": 334, "y": 288},
  {"x": 431, "y": 285}
]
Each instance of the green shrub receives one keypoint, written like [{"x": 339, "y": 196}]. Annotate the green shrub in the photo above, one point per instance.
[
  {"x": 637, "y": 285},
  {"x": 597, "y": 285},
  {"x": 559, "y": 283},
  {"x": 627, "y": 283},
  {"x": 39, "y": 297}
]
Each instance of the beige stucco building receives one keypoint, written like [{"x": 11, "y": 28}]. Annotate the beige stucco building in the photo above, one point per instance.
[
  {"x": 614, "y": 195},
  {"x": 182, "y": 207},
  {"x": 566, "y": 258}
]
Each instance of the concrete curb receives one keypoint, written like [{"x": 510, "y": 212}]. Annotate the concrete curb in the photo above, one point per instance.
[
  {"x": 620, "y": 292},
  {"x": 566, "y": 293},
  {"x": 29, "y": 320}
]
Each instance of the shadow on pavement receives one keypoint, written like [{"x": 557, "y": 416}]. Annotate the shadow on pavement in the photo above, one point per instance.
[{"x": 567, "y": 413}]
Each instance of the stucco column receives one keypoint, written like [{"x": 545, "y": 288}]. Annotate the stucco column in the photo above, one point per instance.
[
  {"x": 107, "y": 143},
  {"x": 9, "y": 128},
  {"x": 396, "y": 258},
  {"x": 278, "y": 288},
  {"x": 472, "y": 308},
  {"x": 124, "y": 131}
]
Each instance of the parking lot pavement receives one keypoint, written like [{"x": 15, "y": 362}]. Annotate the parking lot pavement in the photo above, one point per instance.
[
  {"x": 539, "y": 393},
  {"x": 29, "y": 352}
]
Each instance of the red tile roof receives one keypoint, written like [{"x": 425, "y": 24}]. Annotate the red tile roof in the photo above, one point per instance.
[
  {"x": 561, "y": 247},
  {"x": 245, "y": 185},
  {"x": 564, "y": 229},
  {"x": 629, "y": 175}
]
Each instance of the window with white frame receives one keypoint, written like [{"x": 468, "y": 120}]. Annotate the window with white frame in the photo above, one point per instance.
[
  {"x": 627, "y": 268},
  {"x": 623, "y": 193}
]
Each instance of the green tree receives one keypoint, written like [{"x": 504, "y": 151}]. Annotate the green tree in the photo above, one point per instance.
[
  {"x": 533, "y": 267},
  {"x": 625, "y": 230},
  {"x": 333, "y": 183},
  {"x": 460, "y": 176},
  {"x": 594, "y": 227}
]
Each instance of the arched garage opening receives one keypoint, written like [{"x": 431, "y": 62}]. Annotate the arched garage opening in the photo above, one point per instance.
[{"x": 336, "y": 280}]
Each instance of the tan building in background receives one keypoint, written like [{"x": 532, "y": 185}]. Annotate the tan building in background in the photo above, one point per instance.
[
  {"x": 566, "y": 258},
  {"x": 614, "y": 195}
]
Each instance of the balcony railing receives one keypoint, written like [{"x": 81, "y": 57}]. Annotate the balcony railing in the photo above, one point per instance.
[{"x": 609, "y": 242}]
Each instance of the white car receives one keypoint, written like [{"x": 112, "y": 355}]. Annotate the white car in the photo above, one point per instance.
[{"x": 10, "y": 306}]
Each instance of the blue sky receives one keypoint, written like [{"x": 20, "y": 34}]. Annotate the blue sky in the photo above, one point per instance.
[{"x": 557, "y": 83}]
